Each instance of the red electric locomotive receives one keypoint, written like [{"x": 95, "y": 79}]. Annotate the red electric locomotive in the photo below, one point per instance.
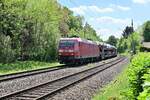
[{"x": 77, "y": 50}]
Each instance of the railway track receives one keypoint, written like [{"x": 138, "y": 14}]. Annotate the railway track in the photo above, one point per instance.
[
  {"x": 49, "y": 88},
  {"x": 12, "y": 76},
  {"x": 29, "y": 73}
]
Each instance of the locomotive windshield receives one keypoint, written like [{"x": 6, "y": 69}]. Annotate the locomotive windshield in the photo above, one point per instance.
[{"x": 66, "y": 43}]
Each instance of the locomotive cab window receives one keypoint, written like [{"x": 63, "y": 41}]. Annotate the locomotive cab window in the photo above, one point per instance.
[{"x": 66, "y": 43}]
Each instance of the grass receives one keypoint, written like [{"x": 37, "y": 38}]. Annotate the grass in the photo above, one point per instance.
[
  {"x": 20, "y": 66},
  {"x": 127, "y": 54},
  {"x": 121, "y": 88},
  {"x": 114, "y": 90}
]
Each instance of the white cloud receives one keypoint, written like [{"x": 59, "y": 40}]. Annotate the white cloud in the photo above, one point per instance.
[
  {"x": 120, "y": 7},
  {"x": 105, "y": 33},
  {"x": 106, "y": 26},
  {"x": 141, "y": 1},
  {"x": 123, "y": 8},
  {"x": 111, "y": 20},
  {"x": 100, "y": 10},
  {"x": 79, "y": 10},
  {"x": 83, "y": 9}
]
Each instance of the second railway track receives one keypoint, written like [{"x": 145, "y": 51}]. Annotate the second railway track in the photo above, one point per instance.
[
  {"x": 29, "y": 73},
  {"x": 49, "y": 88}
]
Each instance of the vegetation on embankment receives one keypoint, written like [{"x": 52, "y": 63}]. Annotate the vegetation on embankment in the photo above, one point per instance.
[
  {"x": 139, "y": 77},
  {"x": 132, "y": 84},
  {"x": 131, "y": 40},
  {"x": 131, "y": 43},
  {"x": 31, "y": 29},
  {"x": 24, "y": 66},
  {"x": 113, "y": 90}
]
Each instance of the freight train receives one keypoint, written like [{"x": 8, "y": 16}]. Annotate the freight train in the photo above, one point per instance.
[{"x": 78, "y": 51}]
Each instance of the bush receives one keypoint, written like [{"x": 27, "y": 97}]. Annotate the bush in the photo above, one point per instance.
[
  {"x": 145, "y": 95},
  {"x": 32, "y": 29},
  {"x": 137, "y": 71},
  {"x": 6, "y": 52},
  {"x": 132, "y": 43},
  {"x": 146, "y": 31}
]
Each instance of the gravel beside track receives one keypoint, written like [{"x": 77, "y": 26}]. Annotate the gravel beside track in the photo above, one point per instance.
[
  {"x": 86, "y": 89},
  {"x": 52, "y": 87},
  {"x": 21, "y": 83},
  {"x": 29, "y": 73}
]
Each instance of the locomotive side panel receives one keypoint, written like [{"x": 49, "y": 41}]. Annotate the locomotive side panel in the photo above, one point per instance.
[
  {"x": 88, "y": 50},
  {"x": 77, "y": 50}
]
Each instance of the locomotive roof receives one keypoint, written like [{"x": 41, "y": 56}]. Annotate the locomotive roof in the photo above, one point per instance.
[
  {"x": 79, "y": 40},
  {"x": 91, "y": 42}
]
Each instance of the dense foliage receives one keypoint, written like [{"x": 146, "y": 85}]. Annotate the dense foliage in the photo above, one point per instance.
[
  {"x": 127, "y": 31},
  {"x": 145, "y": 94},
  {"x": 139, "y": 77},
  {"x": 132, "y": 43},
  {"x": 112, "y": 40},
  {"x": 30, "y": 29},
  {"x": 146, "y": 31}
]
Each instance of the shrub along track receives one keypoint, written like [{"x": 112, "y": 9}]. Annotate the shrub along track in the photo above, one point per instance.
[
  {"x": 29, "y": 73},
  {"x": 49, "y": 88}
]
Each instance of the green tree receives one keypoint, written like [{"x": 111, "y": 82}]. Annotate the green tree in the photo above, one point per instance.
[
  {"x": 32, "y": 28},
  {"x": 11, "y": 26},
  {"x": 90, "y": 33},
  {"x": 6, "y": 52},
  {"x": 146, "y": 31},
  {"x": 122, "y": 45},
  {"x": 134, "y": 42},
  {"x": 63, "y": 24},
  {"x": 75, "y": 22},
  {"x": 127, "y": 31},
  {"x": 112, "y": 40}
]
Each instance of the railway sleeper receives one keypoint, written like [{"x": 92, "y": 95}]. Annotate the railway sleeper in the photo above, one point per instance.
[
  {"x": 29, "y": 95},
  {"x": 41, "y": 91},
  {"x": 52, "y": 88},
  {"x": 36, "y": 93},
  {"x": 23, "y": 98}
]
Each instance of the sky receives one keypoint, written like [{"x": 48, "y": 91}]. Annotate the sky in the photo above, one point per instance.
[{"x": 110, "y": 17}]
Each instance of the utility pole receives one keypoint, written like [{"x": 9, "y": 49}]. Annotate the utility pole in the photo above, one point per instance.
[
  {"x": 133, "y": 41},
  {"x": 132, "y": 23}
]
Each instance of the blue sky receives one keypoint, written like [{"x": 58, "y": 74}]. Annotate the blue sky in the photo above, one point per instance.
[{"x": 109, "y": 17}]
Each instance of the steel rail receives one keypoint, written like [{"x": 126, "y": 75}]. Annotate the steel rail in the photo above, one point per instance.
[
  {"x": 17, "y": 75},
  {"x": 48, "y": 88},
  {"x": 12, "y": 76}
]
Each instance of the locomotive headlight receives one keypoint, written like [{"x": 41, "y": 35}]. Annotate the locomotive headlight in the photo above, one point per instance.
[
  {"x": 70, "y": 51},
  {"x": 60, "y": 50}
]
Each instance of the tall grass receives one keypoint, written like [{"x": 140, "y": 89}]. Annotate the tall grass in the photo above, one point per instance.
[
  {"x": 114, "y": 90},
  {"x": 20, "y": 66},
  {"x": 132, "y": 84}
]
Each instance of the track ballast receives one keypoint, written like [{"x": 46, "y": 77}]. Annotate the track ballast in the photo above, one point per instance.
[
  {"x": 29, "y": 73},
  {"x": 49, "y": 88}
]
